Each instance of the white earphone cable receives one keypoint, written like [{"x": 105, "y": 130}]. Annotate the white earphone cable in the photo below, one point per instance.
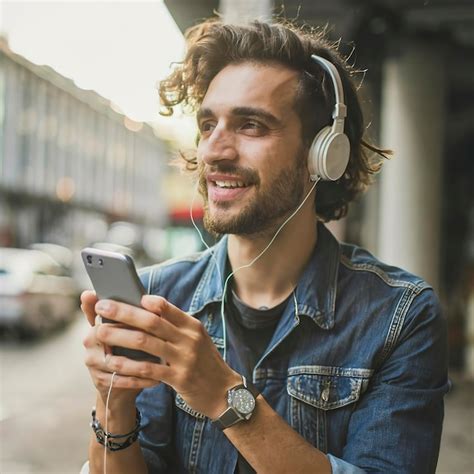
[
  {"x": 107, "y": 420},
  {"x": 224, "y": 332},
  {"x": 200, "y": 233},
  {"x": 224, "y": 329}
]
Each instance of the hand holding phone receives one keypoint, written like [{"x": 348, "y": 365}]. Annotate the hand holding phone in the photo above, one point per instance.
[{"x": 113, "y": 276}]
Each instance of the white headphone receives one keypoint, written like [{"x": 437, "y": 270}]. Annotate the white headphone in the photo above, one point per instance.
[{"x": 329, "y": 153}]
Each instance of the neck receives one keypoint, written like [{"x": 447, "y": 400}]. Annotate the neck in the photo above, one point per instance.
[{"x": 273, "y": 276}]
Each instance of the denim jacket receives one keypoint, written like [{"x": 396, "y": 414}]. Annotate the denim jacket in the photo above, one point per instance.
[{"x": 358, "y": 368}]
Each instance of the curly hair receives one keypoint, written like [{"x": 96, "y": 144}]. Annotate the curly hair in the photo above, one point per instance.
[{"x": 213, "y": 45}]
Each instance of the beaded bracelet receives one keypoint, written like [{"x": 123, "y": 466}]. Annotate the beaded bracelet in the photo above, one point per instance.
[{"x": 107, "y": 439}]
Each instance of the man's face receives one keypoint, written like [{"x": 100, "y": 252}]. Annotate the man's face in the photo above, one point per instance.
[{"x": 251, "y": 159}]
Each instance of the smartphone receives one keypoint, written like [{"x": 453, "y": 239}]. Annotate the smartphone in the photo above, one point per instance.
[{"x": 113, "y": 276}]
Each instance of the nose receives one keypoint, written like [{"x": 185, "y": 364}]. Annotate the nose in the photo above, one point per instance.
[{"x": 219, "y": 145}]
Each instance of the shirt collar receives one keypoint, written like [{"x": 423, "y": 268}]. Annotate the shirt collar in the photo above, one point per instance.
[{"x": 316, "y": 290}]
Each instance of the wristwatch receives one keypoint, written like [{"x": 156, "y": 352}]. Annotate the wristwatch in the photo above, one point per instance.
[{"x": 241, "y": 400}]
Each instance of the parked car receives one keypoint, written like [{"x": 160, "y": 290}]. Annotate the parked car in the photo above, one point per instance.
[{"x": 37, "y": 293}]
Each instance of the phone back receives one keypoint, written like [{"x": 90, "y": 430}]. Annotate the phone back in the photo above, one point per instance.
[{"x": 113, "y": 276}]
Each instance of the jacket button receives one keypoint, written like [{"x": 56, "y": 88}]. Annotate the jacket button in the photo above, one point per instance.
[{"x": 325, "y": 392}]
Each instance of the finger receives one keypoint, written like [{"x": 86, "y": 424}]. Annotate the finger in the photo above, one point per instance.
[
  {"x": 112, "y": 335},
  {"x": 90, "y": 340},
  {"x": 168, "y": 311},
  {"x": 96, "y": 351},
  {"x": 88, "y": 301},
  {"x": 103, "y": 380},
  {"x": 139, "y": 318},
  {"x": 139, "y": 369},
  {"x": 125, "y": 382}
]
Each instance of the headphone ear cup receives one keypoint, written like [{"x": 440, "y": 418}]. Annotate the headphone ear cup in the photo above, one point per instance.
[
  {"x": 329, "y": 155},
  {"x": 335, "y": 155},
  {"x": 314, "y": 154}
]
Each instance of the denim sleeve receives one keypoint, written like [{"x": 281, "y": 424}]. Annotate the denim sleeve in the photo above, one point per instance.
[
  {"x": 396, "y": 427},
  {"x": 156, "y": 437},
  {"x": 156, "y": 408},
  {"x": 338, "y": 466}
]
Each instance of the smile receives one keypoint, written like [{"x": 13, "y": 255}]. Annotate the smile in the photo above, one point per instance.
[
  {"x": 230, "y": 184},
  {"x": 224, "y": 190}
]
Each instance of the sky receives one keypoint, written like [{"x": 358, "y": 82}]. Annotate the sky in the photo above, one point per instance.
[{"x": 118, "y": 49}]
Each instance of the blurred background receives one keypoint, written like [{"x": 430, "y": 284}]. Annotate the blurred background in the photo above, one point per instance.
[{"x": 84, "y": 162}]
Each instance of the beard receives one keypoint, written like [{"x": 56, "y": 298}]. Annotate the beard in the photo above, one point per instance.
[{"x": 271, "y": 203}]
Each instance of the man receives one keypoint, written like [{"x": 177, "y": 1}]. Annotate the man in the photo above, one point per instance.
[{"x": 344, "y": 357}]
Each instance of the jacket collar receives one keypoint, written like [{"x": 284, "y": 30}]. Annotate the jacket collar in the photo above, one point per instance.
[
  {"x": 316, "y": 290},
  {"x": 317, "y": 287}
]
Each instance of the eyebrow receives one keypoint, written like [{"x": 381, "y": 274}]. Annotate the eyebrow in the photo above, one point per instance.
[{"x": 256, "y": 112}]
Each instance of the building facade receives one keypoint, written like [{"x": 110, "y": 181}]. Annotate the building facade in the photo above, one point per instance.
[{"x": 69, "y": 163}]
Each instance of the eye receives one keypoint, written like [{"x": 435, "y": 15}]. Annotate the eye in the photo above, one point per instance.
[
  {"x": 207, "y": 127},
  {"x": 253, "y": 128},
  {"x": 251, "y": 125}
]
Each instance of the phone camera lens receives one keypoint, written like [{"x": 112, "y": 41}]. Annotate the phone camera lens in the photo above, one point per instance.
[
  {"x": 101, "y": 262},
  {"x": 89, "y": 259}
]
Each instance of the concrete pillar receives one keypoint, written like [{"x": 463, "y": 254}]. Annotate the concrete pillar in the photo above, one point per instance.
[
  {"x": 243, "y": 11},
  {"x": 410, "y": 190},
  {"x": 470, "y": 331}
]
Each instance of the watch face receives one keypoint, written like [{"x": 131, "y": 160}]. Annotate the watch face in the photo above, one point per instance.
[{"x": 243, "y": 401}]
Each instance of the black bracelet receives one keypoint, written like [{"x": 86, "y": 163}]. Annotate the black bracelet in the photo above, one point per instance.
[{"x": 106, "y": 439}]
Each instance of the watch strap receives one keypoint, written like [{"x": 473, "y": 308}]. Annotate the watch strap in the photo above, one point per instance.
[
  {"x": 250, "y": 387},
  {"x": 229, "y": 418}
]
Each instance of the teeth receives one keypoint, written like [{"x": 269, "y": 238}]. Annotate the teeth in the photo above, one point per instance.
[{"x": 230, "y": 184}]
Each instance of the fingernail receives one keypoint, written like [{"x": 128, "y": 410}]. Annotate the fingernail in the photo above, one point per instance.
[
  {"x": 103, "y": 306},
  {"x": 98, "y": 320}
]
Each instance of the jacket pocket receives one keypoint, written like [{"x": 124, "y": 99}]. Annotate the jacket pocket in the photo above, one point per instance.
[{"x": 319, "y": 392}]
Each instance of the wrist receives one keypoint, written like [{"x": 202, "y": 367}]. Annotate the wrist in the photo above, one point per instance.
[
  {"x": 241, "y": 403},
  {"x": 120, "y": 416},
  {"x": 118, "y": 399},
  {"x": 115, "y": 441},
  {"x": 221, "y": 404}
]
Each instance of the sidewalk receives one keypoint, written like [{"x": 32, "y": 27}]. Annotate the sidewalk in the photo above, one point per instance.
[{"x": 457, "y": 444}]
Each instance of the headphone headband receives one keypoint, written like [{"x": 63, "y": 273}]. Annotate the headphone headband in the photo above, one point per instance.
[{"x": 340, "y": 110}]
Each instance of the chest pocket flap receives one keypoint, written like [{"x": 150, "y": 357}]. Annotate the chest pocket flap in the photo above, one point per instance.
[{"x": 325, "y": 387}]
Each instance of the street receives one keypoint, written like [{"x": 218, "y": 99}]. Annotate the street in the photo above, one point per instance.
[{"x": 46, "y": 399}]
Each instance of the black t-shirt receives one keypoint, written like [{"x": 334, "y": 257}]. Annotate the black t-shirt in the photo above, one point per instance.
[{"x": 249, "y": 332}]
